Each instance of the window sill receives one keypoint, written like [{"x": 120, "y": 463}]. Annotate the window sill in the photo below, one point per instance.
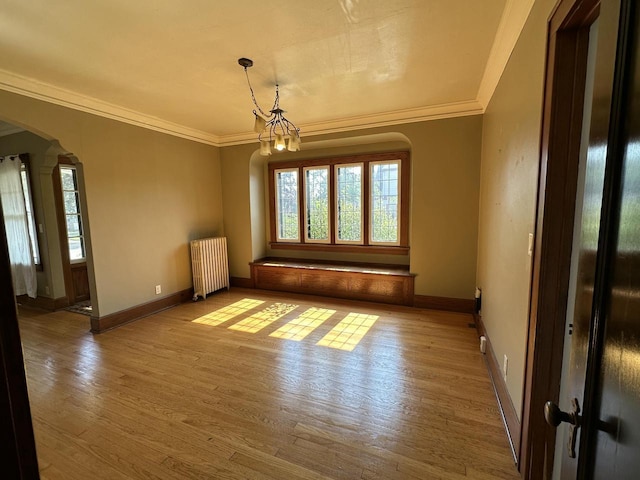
[{"x": 324, "y": 247}]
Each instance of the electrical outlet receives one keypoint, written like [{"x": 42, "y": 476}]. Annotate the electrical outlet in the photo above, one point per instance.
[
  {"x": 530, "y": 250},
  {"x": 46, "y": 290},
  {"x": 158, "y": 289},
  {"x": 505, "y": 367}
]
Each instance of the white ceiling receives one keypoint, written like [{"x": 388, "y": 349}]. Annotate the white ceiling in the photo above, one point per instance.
[{"x": 172, "y": 65}]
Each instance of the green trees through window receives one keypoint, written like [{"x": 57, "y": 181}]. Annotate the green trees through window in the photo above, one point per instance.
[{"x": 341, "y": 201}]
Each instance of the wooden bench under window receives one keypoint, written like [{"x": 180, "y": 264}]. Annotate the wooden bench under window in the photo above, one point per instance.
[{"x": 359, "y": 281}]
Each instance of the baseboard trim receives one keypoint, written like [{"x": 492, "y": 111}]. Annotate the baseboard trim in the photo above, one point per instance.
[
  {"x": 505, "y": 404},
  {"x": 44, "y": 303},
  {"x": 107, "y": 322},
  {"x": 460, "y": 305},
  {"x": 241, "y": 282}
]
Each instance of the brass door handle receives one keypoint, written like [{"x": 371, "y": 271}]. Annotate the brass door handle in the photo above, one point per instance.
[{"x": 554, "y": 417}]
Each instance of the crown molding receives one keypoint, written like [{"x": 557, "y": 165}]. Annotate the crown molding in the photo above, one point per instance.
[
  {"x": 49, "y": 93},
  {"x": 66, "y": 98},
  {"x": 514, "y": 16},
  {"x": 398, "y": 117}
]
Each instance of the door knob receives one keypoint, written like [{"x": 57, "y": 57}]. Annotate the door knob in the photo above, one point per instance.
[{"x": 554, "y": 417}]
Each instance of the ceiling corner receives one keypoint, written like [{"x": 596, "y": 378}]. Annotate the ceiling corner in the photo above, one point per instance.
[{"x": 511, "y": 24}]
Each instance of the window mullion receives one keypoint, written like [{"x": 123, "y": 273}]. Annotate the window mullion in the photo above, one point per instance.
[
  {"x": 302, "y": 213},
  {"x": 366, "y": 213},
  {"x": 333, "y": 204}
]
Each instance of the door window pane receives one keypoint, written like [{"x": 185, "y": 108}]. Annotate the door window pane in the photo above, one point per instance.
[
  {"x": 73, "y": 226},
  {"x": 71, "y": 203},
  {"x": 67, "y": 176},
  {"x": 73, "y": 218},
  {"x": 76, "y": 248}
]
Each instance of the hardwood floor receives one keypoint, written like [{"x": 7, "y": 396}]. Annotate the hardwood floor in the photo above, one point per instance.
[{"x": 169, "y": 398}]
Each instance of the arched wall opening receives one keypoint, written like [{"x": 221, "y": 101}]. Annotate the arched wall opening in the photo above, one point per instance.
[{"x": 44, "y": 155}]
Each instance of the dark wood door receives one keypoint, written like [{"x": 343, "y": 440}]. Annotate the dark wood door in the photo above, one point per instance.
[
  {"x": 605, "y": 347},
  {"x": 18, "y": 450},
  {"x": 76, "y": 277},
  {"x": 612, "y": 441}
]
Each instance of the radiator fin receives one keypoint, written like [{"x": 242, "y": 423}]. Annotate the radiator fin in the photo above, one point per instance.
[{"x": 210, "y": 266}]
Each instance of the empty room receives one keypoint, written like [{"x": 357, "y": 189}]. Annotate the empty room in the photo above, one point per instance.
[{"x": 345, "y": 239}]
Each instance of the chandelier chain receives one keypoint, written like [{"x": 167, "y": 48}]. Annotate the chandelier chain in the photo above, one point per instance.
[{"x": 253, "y": 97}]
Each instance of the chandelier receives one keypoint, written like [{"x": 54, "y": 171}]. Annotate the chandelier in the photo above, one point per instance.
[{"x": 272, "y": 126}]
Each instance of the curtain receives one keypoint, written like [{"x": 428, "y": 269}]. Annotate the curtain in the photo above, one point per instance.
[{"x": 23, "y": 269}]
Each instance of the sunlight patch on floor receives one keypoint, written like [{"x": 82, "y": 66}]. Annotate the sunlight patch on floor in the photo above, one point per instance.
[
  {"x": 263, "y": 318},
  {"x": 348, "y": 333},
  {"x": 227, "y": 313},
  {"x": 298, "y": 328}
]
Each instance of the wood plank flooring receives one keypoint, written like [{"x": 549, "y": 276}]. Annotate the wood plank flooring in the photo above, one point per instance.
[{"x": 169, "y": 398}]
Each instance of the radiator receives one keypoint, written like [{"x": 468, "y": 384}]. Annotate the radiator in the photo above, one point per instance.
[{"x": 210, "y": 266}]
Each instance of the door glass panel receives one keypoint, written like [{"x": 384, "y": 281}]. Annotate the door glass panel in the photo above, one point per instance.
[
  {"x": 68, "y": 179},
  {"x": 73, "y": 226},
  {"x": 70, "y": 202},
  {"x": 76, "y": 248},
  {"x": 71, "y": 205}
]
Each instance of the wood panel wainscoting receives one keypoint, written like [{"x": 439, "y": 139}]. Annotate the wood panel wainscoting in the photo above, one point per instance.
[
  {"x": 505, "y": 404},
  {"x": 217, "y": 389},
  {"x": 392, "y": 284},
  {"x": 80, "y": 281}
]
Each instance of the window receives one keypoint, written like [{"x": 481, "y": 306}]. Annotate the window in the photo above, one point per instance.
[
  {"x": 357, "y": 203},
  {"x": 72, "y": 213},
  {"x": 385, "y": 202},
  {"x": 349, "y": 203},
  {"x": 28, "y": 202},
  {"x": 316, "y": 204},
  {"x": 287, "y": 195}
]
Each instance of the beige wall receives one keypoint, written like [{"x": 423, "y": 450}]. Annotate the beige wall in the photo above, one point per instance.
[
  {"x": 147, "y": 195},
  {"x": 445, "y": 157},
  {"x": 508, "y": 189}
]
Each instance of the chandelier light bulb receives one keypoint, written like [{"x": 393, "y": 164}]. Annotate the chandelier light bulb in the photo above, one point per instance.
[{"x": 279, "y": 142}]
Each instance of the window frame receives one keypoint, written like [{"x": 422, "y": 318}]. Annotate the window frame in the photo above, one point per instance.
[
  {"x": 304, "y": 203},
  {"x": 363, "y": 207},
  {"x": 399, "y": 207},
  {"x": 366, "y": 246},
  {"x": 78, "y": 214},
  {"x": 33, "y": 220},
  {"x": 277, "y": 220}
]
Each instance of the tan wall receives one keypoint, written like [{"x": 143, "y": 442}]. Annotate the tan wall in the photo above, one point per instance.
[
  {"x": 147, "y": 194},
  {"x": 237, "y": 207},
  {"x": 508, "y": 189},
  {"x": 444, "y": 200}
]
